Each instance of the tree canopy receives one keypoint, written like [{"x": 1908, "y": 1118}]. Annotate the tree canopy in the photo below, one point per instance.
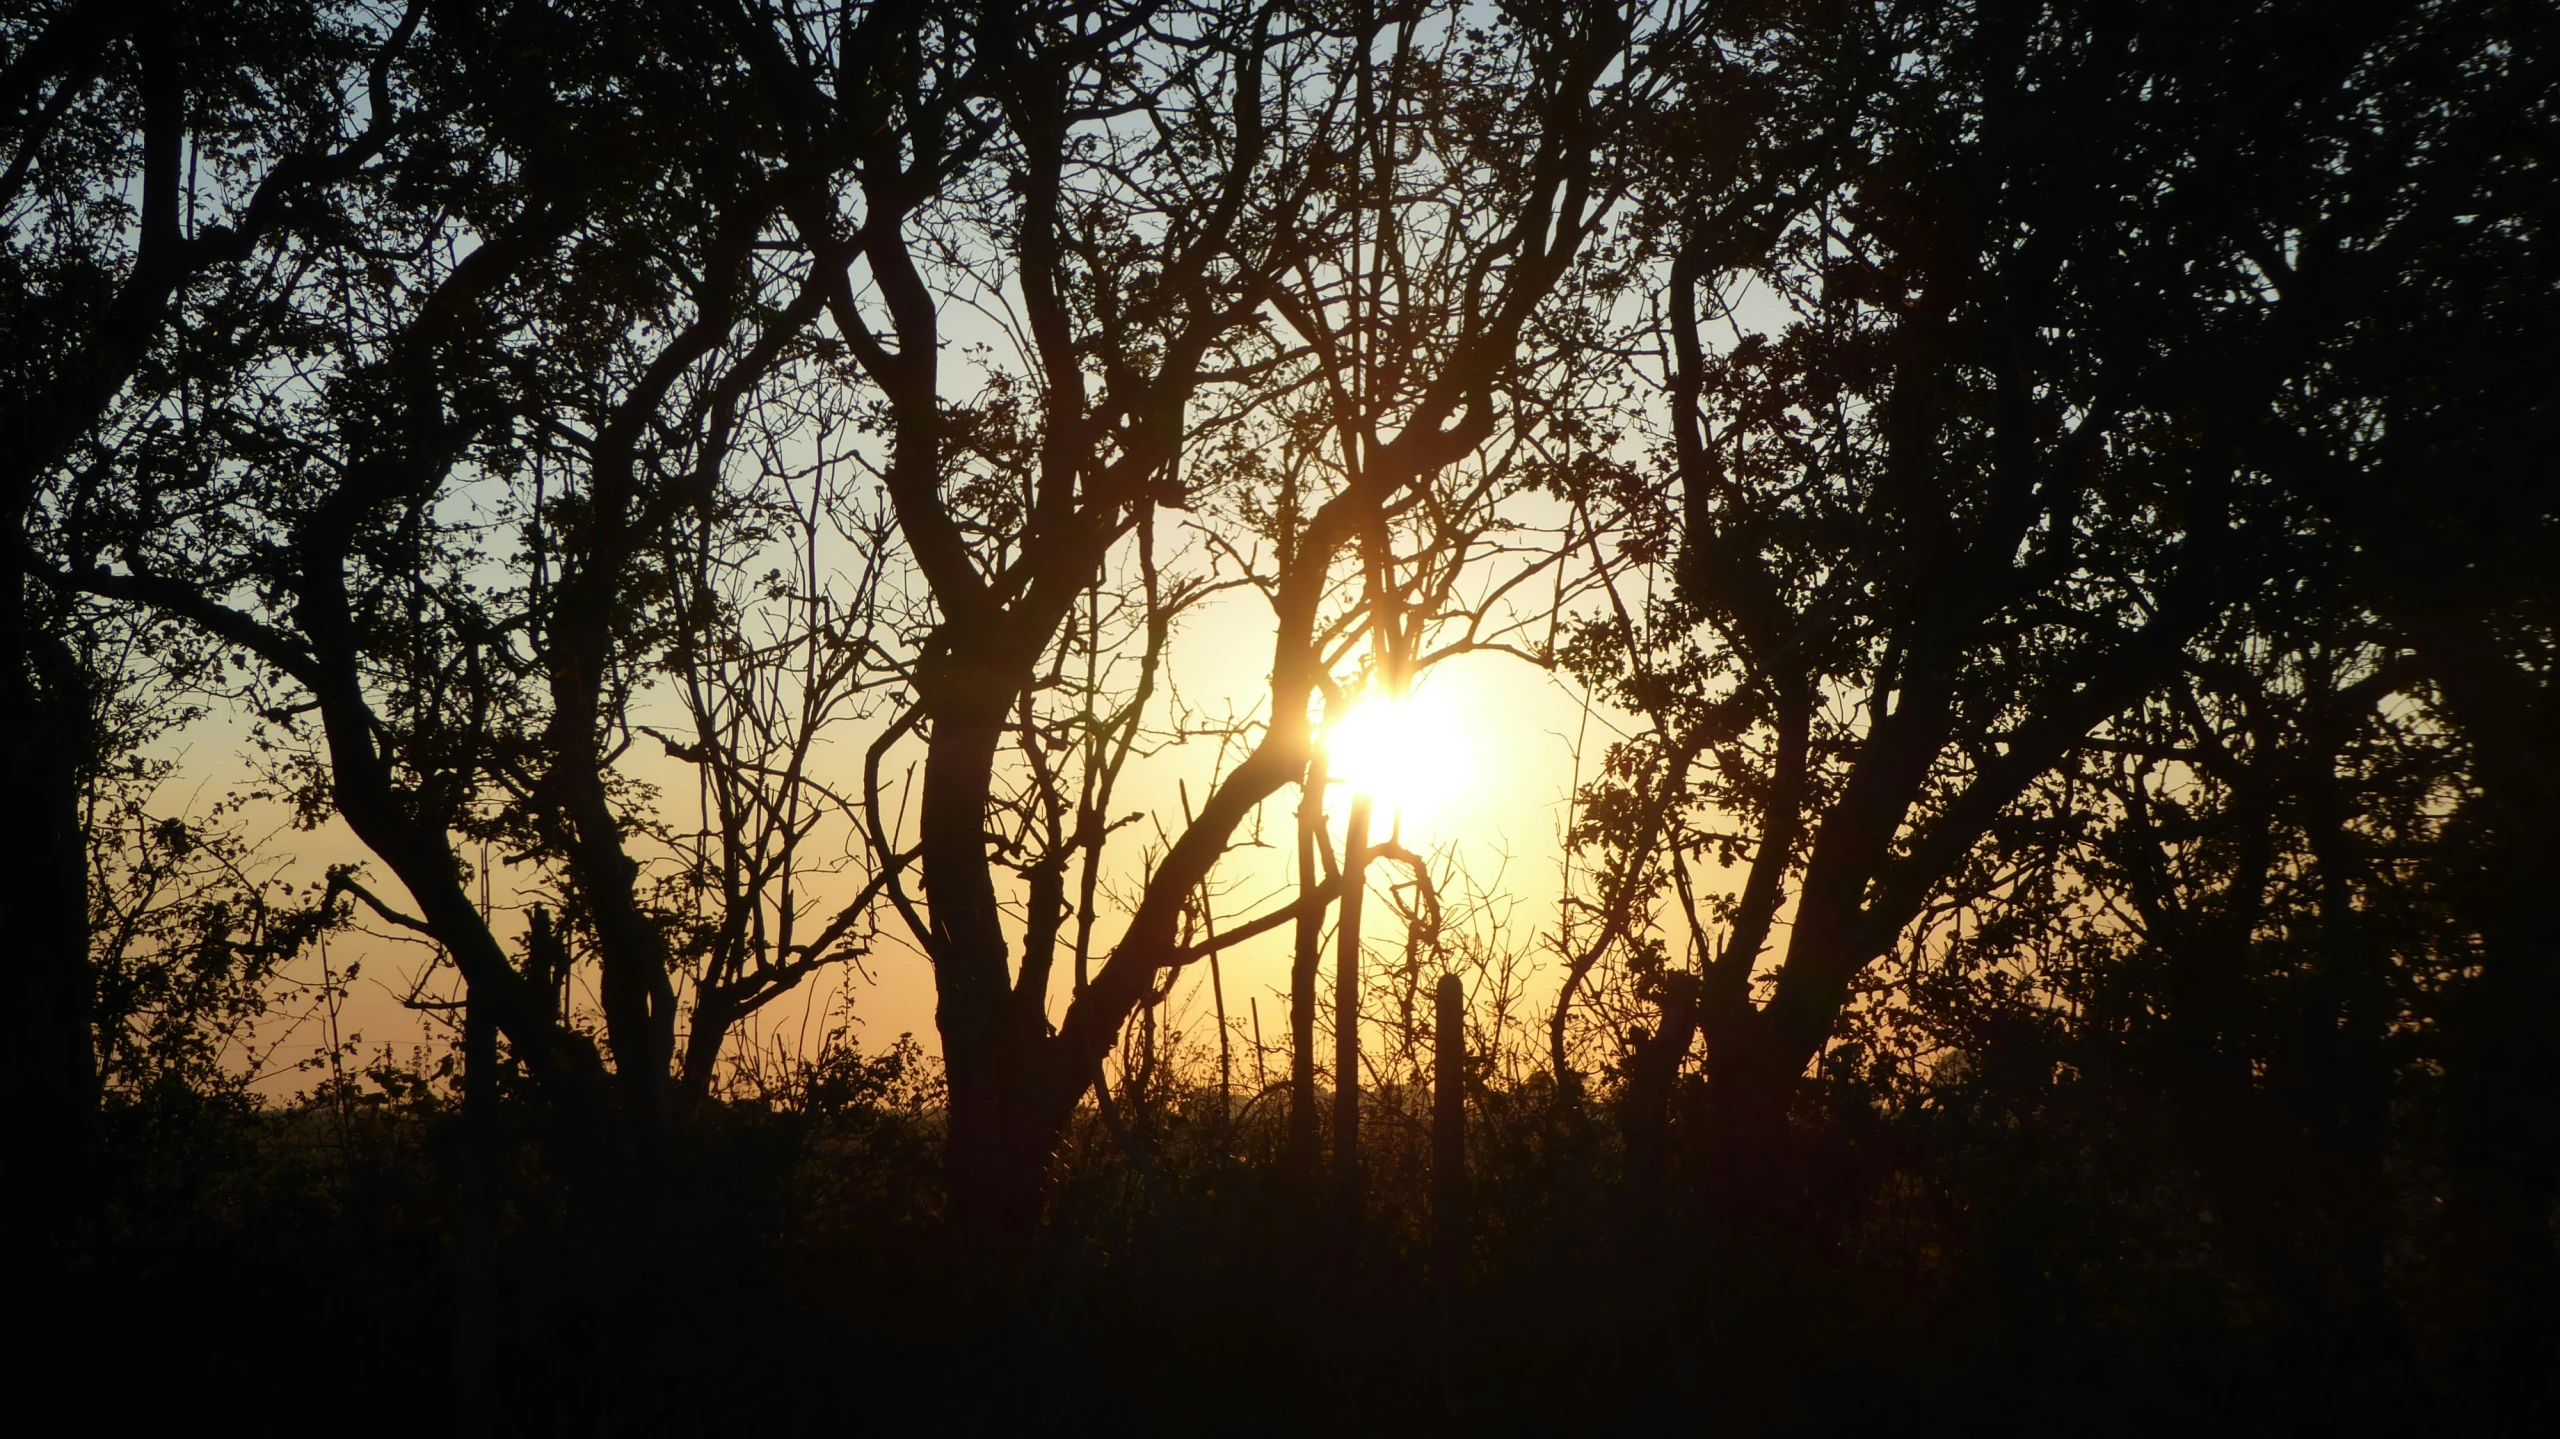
[{"x": 2040, "y": 500}]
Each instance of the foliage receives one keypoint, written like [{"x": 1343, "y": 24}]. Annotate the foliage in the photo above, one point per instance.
[{"x": 2047, "y": 501}]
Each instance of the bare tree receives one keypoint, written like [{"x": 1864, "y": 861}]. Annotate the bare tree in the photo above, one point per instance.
[
  {"x": 777, "y": 658},
  {"x": 1158, "y": 181}
]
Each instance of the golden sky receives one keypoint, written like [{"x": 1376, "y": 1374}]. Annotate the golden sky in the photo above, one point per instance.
[{"x": 1480, "y": 768}]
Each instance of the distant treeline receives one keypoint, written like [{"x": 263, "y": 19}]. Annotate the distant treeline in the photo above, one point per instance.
[{"x": 2050, "y": 508}]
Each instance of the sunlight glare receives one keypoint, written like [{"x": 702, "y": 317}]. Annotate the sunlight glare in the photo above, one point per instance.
[{"x": 1410, "y": 756}]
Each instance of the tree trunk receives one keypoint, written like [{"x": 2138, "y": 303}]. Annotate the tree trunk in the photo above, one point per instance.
[
  {"x": 1346, "y": 1022},
  {"x": 475, "y": 1300},
  {"x": 1449, "y": 1132},
  {"x": 48, "y": 1056},
  {"x": 1302, "y": 979},
  {"x": 997, "y": 1150},
  {"x": 1226, "y": 1070},
  {"x": 1750, "y": 1085},
  {"x": 993, "y": 1041},
  {"x": 1653, "y": 1071}
]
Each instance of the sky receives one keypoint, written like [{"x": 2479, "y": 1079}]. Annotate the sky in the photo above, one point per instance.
[
  {"x": 1497, "y": 735},
  {"x": 1492, "y": 736}
]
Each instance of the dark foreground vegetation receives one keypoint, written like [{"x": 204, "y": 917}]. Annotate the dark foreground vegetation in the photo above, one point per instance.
[
  {"x": 2047, "y": 508},
  {"x": 2018, "y": 1252}
]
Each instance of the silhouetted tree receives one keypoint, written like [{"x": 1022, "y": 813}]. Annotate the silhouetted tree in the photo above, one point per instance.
[
  {"x": 1152, "y": 181},
  {"x": 2006, "y": 456},
  {"x": 421, "y": 470},
  {"x": 435, "y": 496},
  {"x": 2044, "y": 499},
  {"x": 119, "y": 120}
]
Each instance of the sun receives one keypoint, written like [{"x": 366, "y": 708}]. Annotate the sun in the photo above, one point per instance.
[{"x": 1410, "y": 756}]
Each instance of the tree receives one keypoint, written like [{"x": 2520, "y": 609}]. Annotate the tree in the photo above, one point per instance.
[
  {"x": 117, "y": 118},
  {"x": 430, "y": 485},
  {"x": 2416, "y": 267},
  {"x": 1156, "y": 181},
  {"x": 1427, "y": 296},
  {"x": 1997, "y": 468}
]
